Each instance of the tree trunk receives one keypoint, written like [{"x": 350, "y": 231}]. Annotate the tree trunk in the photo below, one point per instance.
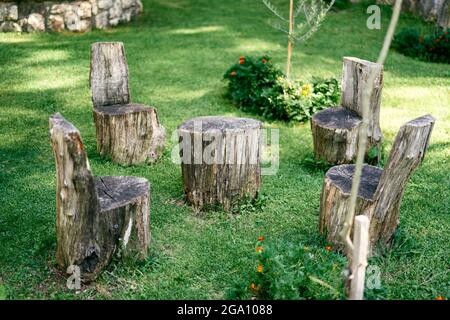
[
  {"x": 76, "y": 199},
  {"x": 407, "y": 153},
  {"x": 335, "y": 130},
  {"x": 95, "y": 217},
  {"x": 380, "y": 192},
  {"x": 355, "y": 78},
  {"x": 335, "y": 199},
  {"x": 109, "y": 74},
  {"x": 130, "y": 134},
  {"x": 220, "y": 160},
  {"x": 125, "y": 206},
  {"x": 335, "y": 135}
]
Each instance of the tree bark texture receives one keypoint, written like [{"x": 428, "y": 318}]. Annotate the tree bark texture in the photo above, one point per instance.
[
  {"x": 380, "y": 192},
  {"x": 220, "y": 160},
  {"x": 109, "y": 74},
  {"x": 129, "y": 133},
  {"x": 335, "y": 135},
  {"x": 95, "y": 217},
  {"x": 335, "y": 130}
]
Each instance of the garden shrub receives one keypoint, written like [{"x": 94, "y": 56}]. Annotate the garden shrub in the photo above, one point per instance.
[
  {"x": 249, "y": 79},
  {"x": 432, "y": 48},
  {"x": 292, "y": 271},
  {"x": 256, "y": 85}
]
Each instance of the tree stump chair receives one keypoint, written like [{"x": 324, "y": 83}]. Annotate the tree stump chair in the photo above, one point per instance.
[
  {"x": 335, "y": 130},
  {"x": 220, "y": 160},
  {"x": 380, "y": 192},
  {"x": 129, "y": 133},
  {"x": 95, "y": 217}
]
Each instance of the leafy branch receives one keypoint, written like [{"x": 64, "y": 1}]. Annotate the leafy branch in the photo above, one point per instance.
[{"x": 311, "y": 13}]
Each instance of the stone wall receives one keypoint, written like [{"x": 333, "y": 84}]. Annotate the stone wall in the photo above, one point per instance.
[
  {"x": 79, "y": 16},
  {"x": 437, "y": 11}
]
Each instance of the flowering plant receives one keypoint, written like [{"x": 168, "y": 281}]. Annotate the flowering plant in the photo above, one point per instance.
[
  {"x": 292, "y": 271},
  {"x": 248, "y": 78},
  {"x": 256, "y": 85}
]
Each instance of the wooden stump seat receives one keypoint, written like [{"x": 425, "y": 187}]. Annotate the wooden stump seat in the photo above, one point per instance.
[
  {"x": 380, "y": 192},
  {"x": 335, "y": 130},
  {"x": 336, "y": 134},
  {"x": 96, "y": 217},
  {"x": 220, "y": 160},
  {"x": 129, "y": 133}
]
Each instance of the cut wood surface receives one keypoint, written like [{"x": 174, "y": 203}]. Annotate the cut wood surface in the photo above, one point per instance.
[
  {"x": 380, "y": 192},
  {"x": 95, "y": 217},
  {"x": 220, "y": 160}
]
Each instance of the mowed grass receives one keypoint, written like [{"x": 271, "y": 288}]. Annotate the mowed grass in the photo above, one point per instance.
[{"x": 177, "y": 52}]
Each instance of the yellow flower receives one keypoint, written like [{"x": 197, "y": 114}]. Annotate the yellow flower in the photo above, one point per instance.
[
  {"x": 260, "y": 268},
  {"x": 306, "y": 90},
  {"x": 259, "y": 249}
]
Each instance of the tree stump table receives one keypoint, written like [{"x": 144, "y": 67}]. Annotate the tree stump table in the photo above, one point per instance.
[
  {"x": 129, "y": 133},
  {"x": 220, "y": 160},
  {"x": 380, "y": 192},
  {"x": 96, "y": 217},
  {"x": 335, "y": 130}
]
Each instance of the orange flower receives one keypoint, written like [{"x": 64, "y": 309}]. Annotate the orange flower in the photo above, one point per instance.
[
  {"x": 259, "y": 249},
  {"x": 439, "y": 298},
  {"x": 254, "y": 288},
  {"x": 263, "y": 60},
  {"x": 241, "y": 60},
  {"x": 233, "y": 73},
  {"x": 260, "y": 268},
  {"x": 328, "y": 248},
  {"x": 261, "y": 238}
]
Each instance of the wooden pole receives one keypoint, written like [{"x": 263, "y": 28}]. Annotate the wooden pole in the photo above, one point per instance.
[
  {"x": 359, "y": 258},
  {"x": 290, "y": 43},
  {"x": 362, "y": 141}
]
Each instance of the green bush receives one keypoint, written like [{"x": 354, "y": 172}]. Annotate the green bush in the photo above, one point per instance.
[
  {"x": 432, "y": 48},
  {"x": 256, "y": 85},
  {"x": 292, "y": 271},
  {"x": 248, "y": 79}
]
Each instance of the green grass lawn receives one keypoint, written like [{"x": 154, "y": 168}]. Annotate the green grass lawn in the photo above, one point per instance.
[{"x": 177, "y": 53}]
